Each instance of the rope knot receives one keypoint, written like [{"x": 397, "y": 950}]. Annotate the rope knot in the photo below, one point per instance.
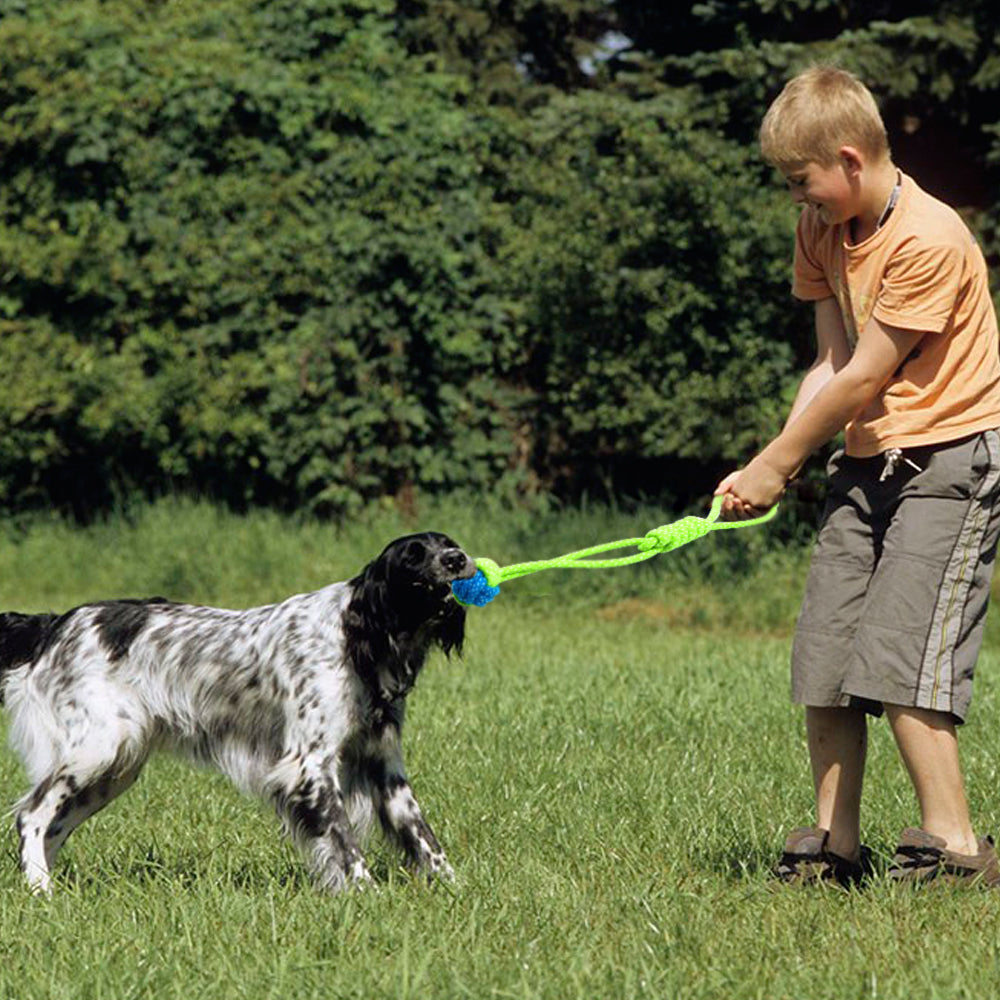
[{"x": 672, "y": 536}]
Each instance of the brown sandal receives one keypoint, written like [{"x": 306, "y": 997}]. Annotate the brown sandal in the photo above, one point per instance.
[
  {"x": 807, "y": 861},
  {"x": 922, "y": 857}
]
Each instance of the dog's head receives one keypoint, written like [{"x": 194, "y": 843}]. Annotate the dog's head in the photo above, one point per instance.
[
  {"x": 427, "y": 562},
  {"x": 401, "y": 604}
]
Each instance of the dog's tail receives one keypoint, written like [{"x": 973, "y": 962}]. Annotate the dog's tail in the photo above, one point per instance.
[{"x": 22, "y": 640}]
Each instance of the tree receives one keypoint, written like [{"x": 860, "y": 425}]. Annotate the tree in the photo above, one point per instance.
[
  {"x": 653, "y": 280},
  {"x": 933, "y": 66},
  {"x": 513, "y": 52}
]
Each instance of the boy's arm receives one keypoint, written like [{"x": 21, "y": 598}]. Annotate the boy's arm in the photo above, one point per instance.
[
  {"x": 833, "y": 351},
  {"x": 881, "y": 349}
]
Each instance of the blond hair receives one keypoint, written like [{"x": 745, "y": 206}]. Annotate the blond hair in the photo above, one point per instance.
[{"x": 817, "y": 113}]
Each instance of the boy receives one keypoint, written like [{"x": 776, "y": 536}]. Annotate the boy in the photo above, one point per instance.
[{"x": 907, "y": 366}]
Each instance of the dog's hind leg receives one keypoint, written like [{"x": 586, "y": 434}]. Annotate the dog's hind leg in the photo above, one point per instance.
[
  {"x": 312, "y": 808},
  {"x": 54, "y": 809}
]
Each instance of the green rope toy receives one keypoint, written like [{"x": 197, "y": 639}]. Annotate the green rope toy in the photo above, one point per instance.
[{"x": 485, "y": 585}]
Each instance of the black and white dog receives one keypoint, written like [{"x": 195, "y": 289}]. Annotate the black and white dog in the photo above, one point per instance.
[{"x": 299, "y": 702}]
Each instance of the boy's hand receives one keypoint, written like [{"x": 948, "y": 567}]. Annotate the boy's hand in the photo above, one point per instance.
[{"x": 752, "y": 491}]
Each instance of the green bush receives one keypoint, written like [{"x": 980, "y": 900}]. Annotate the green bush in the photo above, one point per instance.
[
  {"x": 654, "y": 274},
  {"x": 259, "y": 250},
  {"x": 243, "y": 251}
]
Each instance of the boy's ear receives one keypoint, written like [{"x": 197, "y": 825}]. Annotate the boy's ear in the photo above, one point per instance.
[{"x": 852, "y": 158}]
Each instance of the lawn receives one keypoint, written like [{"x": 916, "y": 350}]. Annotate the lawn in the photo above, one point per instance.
[{"x": 611, "y": 767}]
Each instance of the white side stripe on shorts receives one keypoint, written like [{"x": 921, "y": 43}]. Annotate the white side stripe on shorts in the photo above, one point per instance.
[{"x": 937, "y": 670}]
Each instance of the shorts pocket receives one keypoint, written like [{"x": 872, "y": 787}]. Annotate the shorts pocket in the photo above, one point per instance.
[{"x": 958, "y": 470}]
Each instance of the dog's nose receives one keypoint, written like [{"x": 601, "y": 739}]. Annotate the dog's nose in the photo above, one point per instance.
[{"x": 458, "y": 564}]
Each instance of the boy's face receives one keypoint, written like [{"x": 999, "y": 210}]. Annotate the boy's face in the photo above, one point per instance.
[{"x": 825, "y": 190}]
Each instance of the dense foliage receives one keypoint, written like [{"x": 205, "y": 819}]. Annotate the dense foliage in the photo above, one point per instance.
[{"x": 310, "y": 252}]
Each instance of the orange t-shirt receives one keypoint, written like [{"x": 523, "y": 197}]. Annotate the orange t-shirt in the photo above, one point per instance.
[{"x": 923, "y": 270}]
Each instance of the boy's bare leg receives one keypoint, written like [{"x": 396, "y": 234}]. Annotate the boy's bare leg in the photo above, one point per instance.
[
  {"x": 838, "y": 743},
  {"x": 928, "y": 745}
]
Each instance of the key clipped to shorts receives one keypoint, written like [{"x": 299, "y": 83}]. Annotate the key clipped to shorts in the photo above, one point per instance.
[{"x": 893, "y": 456}]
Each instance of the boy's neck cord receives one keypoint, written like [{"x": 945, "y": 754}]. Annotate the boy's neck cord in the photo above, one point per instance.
[{"x": 485, "y": 585}]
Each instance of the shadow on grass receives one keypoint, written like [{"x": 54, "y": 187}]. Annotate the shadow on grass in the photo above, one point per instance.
[
  {"x": 184, "y": 871},
  {"x": 742, "y": 862},
  {"x": 192, "y": 870}
]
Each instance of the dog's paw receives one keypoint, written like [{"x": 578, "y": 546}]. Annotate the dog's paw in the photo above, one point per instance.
[
  {"x": 437, "y": 868},
  {"x": 357, "y": 876}
]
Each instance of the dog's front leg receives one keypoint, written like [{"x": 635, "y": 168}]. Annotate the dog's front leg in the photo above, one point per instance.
[
  {"x": 405, "y": 824},
  {"x": 312, "y": 809},
  {"x": 398, "y": 811}
]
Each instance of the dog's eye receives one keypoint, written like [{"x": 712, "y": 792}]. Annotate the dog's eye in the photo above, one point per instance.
[{"x": 414, "y": 553}]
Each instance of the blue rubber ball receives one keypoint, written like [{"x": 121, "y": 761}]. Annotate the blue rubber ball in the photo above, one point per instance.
[{"x": 475, "y": 590}]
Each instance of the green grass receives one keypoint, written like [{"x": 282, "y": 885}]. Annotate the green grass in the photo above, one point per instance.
[{"x": 612, "y": 767}]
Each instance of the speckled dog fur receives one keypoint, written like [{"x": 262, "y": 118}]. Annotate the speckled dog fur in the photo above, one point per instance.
[{"x": 301, "y": 703}]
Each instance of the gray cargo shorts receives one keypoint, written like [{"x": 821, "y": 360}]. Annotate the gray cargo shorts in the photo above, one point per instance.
[{"x": 899, "y": 582}]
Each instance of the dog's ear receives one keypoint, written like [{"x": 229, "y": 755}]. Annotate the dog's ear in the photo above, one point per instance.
[
  {"x": 394, "y": 604},
  {"x": 451, "y": 627},
  {"x": 371, "y": 618}
]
